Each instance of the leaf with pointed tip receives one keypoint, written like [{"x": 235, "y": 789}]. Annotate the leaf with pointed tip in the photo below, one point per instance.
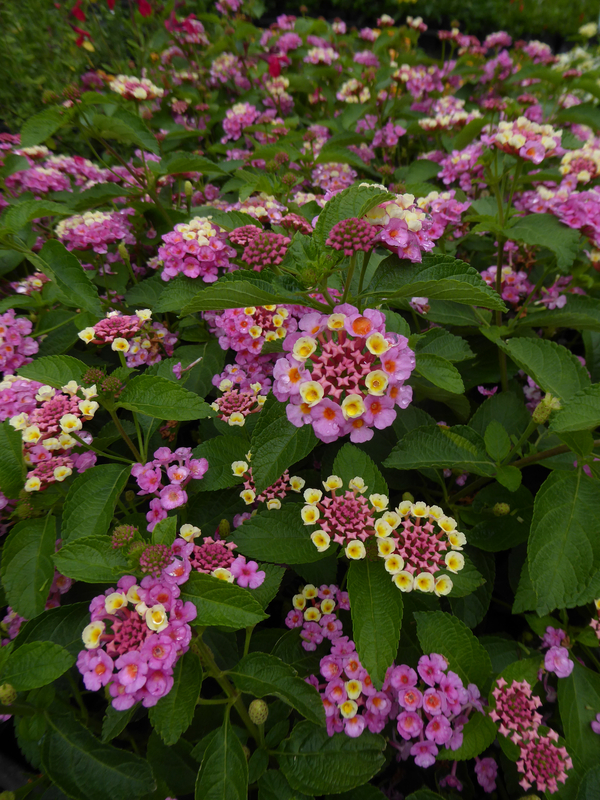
[
  {"x": 223, "y": 773},
  {"x": 97, "y": 490},
  {"x": 27, "y": 569},
  {"x": 554, "y": 368}
]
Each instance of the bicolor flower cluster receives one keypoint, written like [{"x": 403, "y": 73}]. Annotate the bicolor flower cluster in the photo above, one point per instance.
[
  {"x": 315, "y": 611},
  {"x": 179, "y": 467},
  {"x": 526, "y": 139},
  {"x": 418, "y": 543},
  {"x": 137, "y": 336},
  {"x": 96, "y": 230},
  {"x": 215, "y": 557},
  {"x": 53, "y": 430},
  {"x": 404, "y": 228},
  {"x": 344, "y": 374},
  {"x": 197, "y": 249},
  {"x": 541, "y": 761},
  {"x": 136, "y": 635},
  {"x": 133, "y": 88},
  {"x": 274, "y": 494},
  {"x": 246, "y": 330},
  {"x": 16, "y": 345}
]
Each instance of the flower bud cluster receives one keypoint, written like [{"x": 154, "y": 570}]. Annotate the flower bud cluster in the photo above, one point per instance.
[{"x": 315, "y": 611}]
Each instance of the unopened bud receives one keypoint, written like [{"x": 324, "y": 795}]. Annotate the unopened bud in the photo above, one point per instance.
[
  {"x": 8, "y": 795},
  {"x": 408, "y": 496},
  {"x": 246, "y": 751},
  {"x": 544, "y": 408},
  {"x": 258, "y": 711},
  {"x": 130, "y": 495},
  {"x": 289, "y": 179},
  {"x": 123, "y": 252},
  {"x": 8, "y": 695},
  {"x": 188, "y": 189},
  {"x": 501, "y": 509},
  {"x": 224, "y": 529}
]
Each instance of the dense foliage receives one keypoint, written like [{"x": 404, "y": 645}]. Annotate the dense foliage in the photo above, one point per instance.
[{"x": 299, "y": 475}]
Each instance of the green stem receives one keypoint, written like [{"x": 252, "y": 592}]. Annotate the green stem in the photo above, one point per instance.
[
  {"x": 247, "y": 639},
  {"x": 78, "y": 698},
  {"x": 217, "y": 702},
  {"x": 140, "y": 437},
  {"x": 19, "y": 709},
  {"x": 214, "y": 671},
  {"x": 363, "y": 272},
  {"x": 137, "y": 455},
  {"x": 101, "y": 452},
  {"x": 524, "y": 437},
  {"x": 349, "y": 276}
]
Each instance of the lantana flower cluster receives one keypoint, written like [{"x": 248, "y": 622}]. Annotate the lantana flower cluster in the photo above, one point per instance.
[
  {"x": 133, "y": 88},
  {"x": 179, "y": 467},
  {"x": 140, "y": 339},
  {"x": 315, "y": 611},
  {"x": 541, "y": 761},
  {"x": 17, "y": 395},
  {"x": 47, "y": 432},
  {"x": 136, "y": 636},
  {"x": 197, "y": 249},
  {"x": 215, "y": 557},
  {"x": 344, "y": 374},
  {"x": 245, "y": 330},
  {"x": 417, "y": 542},
  {"x": 16, "y": 345},
  {"x": 274, "y": 494},
  {"x": 404, "y": 228},
  {"x": 526, "y": 139},
  {"x": 96, "y": 230}
]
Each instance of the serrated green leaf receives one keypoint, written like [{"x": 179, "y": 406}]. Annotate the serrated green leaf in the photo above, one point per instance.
[
  {"x": 221, "y": 603},
  {"x": 12, "y": 466},
  {"x": 35, "y": 664},
  {"x": 97, "y": 490},
  {"x": 221, "y": 452},
  {"x": 505, "y": 408},
  {"x": 510, "y": 477},
  {"x": 277, "y": 444},
  {"x": 91, "y": 559},
  {"x": 579, "y": 312},
  {"x": 554, "y": 368},
  {"x": 62, "y": 267},
  {"x": 442, "y": 277},
  {"x": 564, "y": 550},
  {"x": 442, "y": 633},
  {"x": 85, "y": 769},
  {"x": 376, "y": 606},
  {"x": 173, "y": 713},
  {"x": 433, "y": 446},
  {"x": 355, "y": 201},
  {"x": 244, "y": 288},
  {"x": 262, "y": 674},
  {"x": 440, "y": 372},
  {"x": 115, "y": 722},
  {"x": 176, "y": 163},
  {"x": 278, "y": 536},
  {"x": 352, "y": 462},
  {"x": 439, "y": 342},
  {"x": 315, "y": 763},
  {"x": 127, "y": 128},
  {"x": 224, "y": 771},
  {"x": 174, "y": 765},
  {"x": 61, "y": 625},
  {"x": 580, "y": 412},
  {"x": 27, "y": 569},
  {"x": 163, "y": 399},
  {"x": 496, "y": 440},
  {"x": 471, "y": 606},
  {"x": 43, "y": 125},
  {"x": 55, "y": 371},
  {"x": 545, "y": 230},
  {"x": 578, "y": 703},
  {"x": 165, "y": 531},
  {"x": 19, "y": 214},
  {"x": 478, "y": 735},
  {"x": 273, "y": 786},
  {"x": 268, "y": 589}
]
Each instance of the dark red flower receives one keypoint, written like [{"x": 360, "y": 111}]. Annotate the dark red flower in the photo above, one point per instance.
[
  {"x": 78, "y": 12},
  {"x": 144, "y": 8},
  {"x": 111, "y": 4},
  {"x": 274, "y": 66}
]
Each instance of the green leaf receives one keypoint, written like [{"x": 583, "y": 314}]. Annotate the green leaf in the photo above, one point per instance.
[
  {"x": 433, "y": 446},
  {"x": 174, "y": 765},
  {"x": 261, "y": 674},
  {"x": 438, "y": 276},
  {"x": 578, "y": 703},
  {"x": 97, "y": 490},
  {"x": 200, "y": 376},
  {"x": 173, "y": 713},
  {"x": 85, "y": 769},
  {"x": 62, "y": 267},
  {"x": 244, "y": 288},
  {"x": 424, "y": 794},
  {"x": 439, "y": 342},
  {"x": 496, "y": 440},
  {"x": 125, "y": 127},
  {"x": 163, "y": 399},
  {"x": 277, "y": 444},
  {"x": 509, "y": 477},
  {"x": 177, "y": 293},
  {"x": 355, "y": 201},
  {"x": 278, "y": 537},
  {"x": 505, "y": 408},
  {"x": 583, "y": 114},
  {"x": 97, "y": 195},
  {"x": 19, "y": 214},
  {"x": 581, "y": 412},
  {"x": 12, "y": 466},
  {"x": 352, "y": 462},
  {"x": 115, "y": 722},
  {"x": 27, "y": 570},
  {"x": 564, "y": 549},
  {"x": 55, "y": 371},
  {"x": 315, "y": 763},
  {"x": 365, "y": 792},
  {"x": 478, "y": 735},
  {"x": 376, "y": 606},
  {"x": 146, "y": 294},
  {"x": 221, "y": 603},
  {"x": 176, "y": 163},
  {"x": 579, "y": 312},
  {"x": 442, "y": 633},
  {"x": 545, "y": 230},
  {"x": 165, "y": 531},
  {"x": 36, "y": 664},
  {"x": 440, "y": 372},
  {"x": 224, "y": 771},
  {"x": 91, "y": 559},
  {"x": 267, "y": 591},
  {"x": 43, "y": 125},
  {"x": 62, "y": 625},
  {"x": 221, "y": 452},
  {"x": 468, "y": 133},
  {"x": 465, "y": 582},
  {"x": 552, "y": 366},
  {"x": 273, "y": 786},
  {"x": 470, "y": 600}
]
